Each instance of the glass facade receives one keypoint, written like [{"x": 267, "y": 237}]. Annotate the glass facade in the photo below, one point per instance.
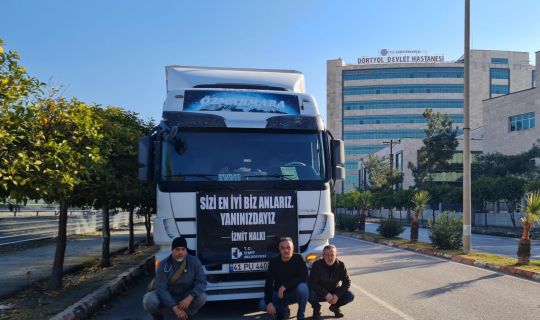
[
  {"x": 403, "y": 73},
  {"x": 393, "y": 118},
  {"x": 404, "y": 104},
  {"x": 384, "y": 134},
  {"x": 499, "y": 73},
  {"x": 363, "y": 149},
  {"x": 522, "y": 122},
  {"x": 403, "y": 89}
]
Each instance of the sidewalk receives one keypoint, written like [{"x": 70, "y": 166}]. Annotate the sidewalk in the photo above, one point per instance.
[{"x": 19, "y": 269}]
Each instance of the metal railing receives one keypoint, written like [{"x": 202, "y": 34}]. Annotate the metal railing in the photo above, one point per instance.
[{"x": 39, "y": 225}]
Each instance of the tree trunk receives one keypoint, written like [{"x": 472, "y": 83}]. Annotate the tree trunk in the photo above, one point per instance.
[
  {"x": 362, "y": 222},
  {"x": 106, "y": 232},
  {"x": 414, "y": 230},
  {"x": 524, "y": 251},
  {"x": 55, "y": 282},
  {"x": 513, "y": 218},
  {"x": 485, "y": 216},
  {"x": 148, "y": 226},
  {"x": 131, "y": 242}
]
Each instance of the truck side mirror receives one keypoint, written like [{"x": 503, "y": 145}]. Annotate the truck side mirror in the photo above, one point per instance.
[
  {"x": 337, "y": 150},
  {"x": 145, "y": 153}
]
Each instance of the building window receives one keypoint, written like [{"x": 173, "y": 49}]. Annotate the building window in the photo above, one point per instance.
[
  {"x": 521, "y": 122},
  {"x": 499, "y": 60},
  {"x": 403, "y": 73},
  {"x": 404, "y": 104},
  {"x": 403, "y": 88},
  {"x": 500, "y": 89},
  {"x": 499, "y": 73}
]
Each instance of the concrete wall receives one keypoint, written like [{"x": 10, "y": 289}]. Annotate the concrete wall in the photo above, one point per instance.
[{"x": 498, "y": 137}]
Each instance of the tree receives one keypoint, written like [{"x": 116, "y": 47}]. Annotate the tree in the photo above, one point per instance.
[
  {"x": 403, "y": 201},
  {"x": 378, "y": 172},
  {"x": 532, "y": 215},
  {"x": 419, "y": 199},
  {"x": 364, "y": 203},
  {"x": 511, "y": 190},
  {"x": 112, "y": 181},
  {"x": 440, "y": 145},
  {"x": 17, "y": 89},
  {"x": 65, "y": 145},
  {"x": 483, "y": 191}
]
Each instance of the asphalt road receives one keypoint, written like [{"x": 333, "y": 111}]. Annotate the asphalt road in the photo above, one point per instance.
[
  {"x": 480, "y": 243},
  {"x": 390, "y": 284}
]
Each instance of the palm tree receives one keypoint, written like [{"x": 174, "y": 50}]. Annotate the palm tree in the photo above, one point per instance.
[
  {"x": 532, "y": 215},
  {"x": 364, "y": 202},
  {"x": 419, "y": 199}
]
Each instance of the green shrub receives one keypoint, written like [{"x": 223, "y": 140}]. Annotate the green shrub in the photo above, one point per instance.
[
  {"x": 390, "y": 228},
  {"x": 347, "y": 222},
  {"x": 447, "y": 231}
]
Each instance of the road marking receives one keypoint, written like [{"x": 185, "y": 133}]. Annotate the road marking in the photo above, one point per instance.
[
  {"x": 511, "y": 276},
  {"x": 388, "y": 306}
]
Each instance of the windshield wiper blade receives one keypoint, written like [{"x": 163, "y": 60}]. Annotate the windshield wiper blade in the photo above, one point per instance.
[
  {"x": 199, "y": 175},
  {"x": 283, "y": 176}
]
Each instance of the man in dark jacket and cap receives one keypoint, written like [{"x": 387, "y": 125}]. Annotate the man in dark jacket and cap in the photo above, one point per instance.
[
  {"x": 179, "y": 285},
  {"x": 329, "y": 281}
]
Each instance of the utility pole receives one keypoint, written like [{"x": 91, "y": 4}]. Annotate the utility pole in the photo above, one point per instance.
[
  {"x": 391, "y": 143},
  {"x": 466, "y": 137}
]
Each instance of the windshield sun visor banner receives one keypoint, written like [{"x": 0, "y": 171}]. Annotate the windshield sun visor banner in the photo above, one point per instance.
[
  {"x": 244, "y": 227},
  {"x": 241, "y": 101}
]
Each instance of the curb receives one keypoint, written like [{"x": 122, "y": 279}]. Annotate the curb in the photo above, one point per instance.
[
  {"x": 529, "y": 275},
  {"x": 91, "y": 302}
]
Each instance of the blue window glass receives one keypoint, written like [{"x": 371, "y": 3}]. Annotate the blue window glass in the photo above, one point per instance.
[
  {"x": 394, "y": 118},
  {"x": 404, "y": 88},
  {"x": 363, "y": 149},
  {"x": 386, "y": 134},
  {"x": 499, "y": 73},
  {"x": 500, "y": 89},
  {"x": 351, "y": 165},
  {"x": 403, "y": 104},
  {"x": 401, "y": 73},
  {"x": 522, "y": 122},
  {"x": 499, "y": 60}
]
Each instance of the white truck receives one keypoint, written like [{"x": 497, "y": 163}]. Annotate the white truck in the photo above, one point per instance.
[{"x": 241, "y": 158}]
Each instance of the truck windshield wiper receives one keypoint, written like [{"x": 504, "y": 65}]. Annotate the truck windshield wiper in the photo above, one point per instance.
[
  {"x": 282, "y": 176},
  {"x": 207, "y": 176}
]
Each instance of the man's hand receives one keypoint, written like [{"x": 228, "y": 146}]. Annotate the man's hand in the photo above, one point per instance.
[
  {"x": 329, "y": 298},
  {"x": 184, "y": 303},
  {"x": 334, "y": 299},
  {"x": 270, "y": 309},
  {"x": 281, "y": 292},
  {"x": 180, "y": 314}
]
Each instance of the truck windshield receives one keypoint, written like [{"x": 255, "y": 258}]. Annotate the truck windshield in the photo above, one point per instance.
[{"x": 243, "y": 156}]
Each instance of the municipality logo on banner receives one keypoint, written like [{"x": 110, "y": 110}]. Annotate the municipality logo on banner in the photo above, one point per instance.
[{"x": 236, "y": 253}]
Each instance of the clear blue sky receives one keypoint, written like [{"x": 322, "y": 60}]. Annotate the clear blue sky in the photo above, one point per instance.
[{"x": 113, "y": 52}]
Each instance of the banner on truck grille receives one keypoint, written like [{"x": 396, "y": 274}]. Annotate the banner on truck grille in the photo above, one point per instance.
[{"x": 244, "y": 227}]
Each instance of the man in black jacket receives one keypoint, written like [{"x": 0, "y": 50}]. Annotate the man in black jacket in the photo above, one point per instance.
[
  {"x": 324, "y": 283},
  {"x": 286, "y": 282}
]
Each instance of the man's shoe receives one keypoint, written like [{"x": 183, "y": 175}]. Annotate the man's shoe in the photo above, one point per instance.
[
  {"x": 317, "y": 313},
  {"x": 337, "y": 312}
]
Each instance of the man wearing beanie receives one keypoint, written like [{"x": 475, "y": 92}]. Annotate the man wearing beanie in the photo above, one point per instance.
[{"x": 179, "y": 285}]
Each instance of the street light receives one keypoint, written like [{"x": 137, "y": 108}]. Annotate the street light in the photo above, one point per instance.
[
  {"x": 466, "y": 137},
  {"x": 391, "y": 143}
]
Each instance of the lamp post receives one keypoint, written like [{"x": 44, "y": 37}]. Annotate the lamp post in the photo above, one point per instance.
[{"x": 466, "y": 138}]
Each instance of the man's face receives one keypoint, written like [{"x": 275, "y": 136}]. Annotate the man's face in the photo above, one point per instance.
[
  {"x": 329, "y": 256},
  {"x": 179, "y": 253},
  {"x": 286, "y": 249}
]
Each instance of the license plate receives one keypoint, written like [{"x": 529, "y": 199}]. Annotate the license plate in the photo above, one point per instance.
[{"x": 248, "y": 266}]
